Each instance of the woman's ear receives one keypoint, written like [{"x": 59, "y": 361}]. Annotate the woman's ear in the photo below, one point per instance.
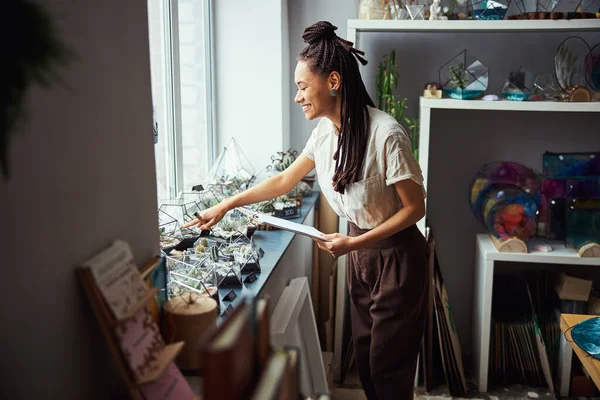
[{"x": 335, "y": 80}]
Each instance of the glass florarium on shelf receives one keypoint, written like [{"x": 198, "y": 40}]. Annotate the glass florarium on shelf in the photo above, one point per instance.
[
  {"x": 231, "y": 173},
  {"x": 519, "y": 85},
  {"x": 169, "y": 230},
  {"x": 189, "y": 273},
  {"x": 464, "y": 77},
  {"x": 488, "y": 9}
]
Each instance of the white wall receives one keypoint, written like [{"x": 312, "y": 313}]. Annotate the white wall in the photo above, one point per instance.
[
  {"x": 302, "y": 14},
  {"x": 249, "y": 75},
  {"x": 82, "y": 175}
]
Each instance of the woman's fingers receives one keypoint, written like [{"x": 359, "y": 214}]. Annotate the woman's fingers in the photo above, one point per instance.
[
  {"x": 194, "y": 222},
  {"x": 324, "y": 247}
]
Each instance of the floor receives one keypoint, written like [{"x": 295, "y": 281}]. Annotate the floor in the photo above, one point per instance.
[{"x": 351, "y": 390}]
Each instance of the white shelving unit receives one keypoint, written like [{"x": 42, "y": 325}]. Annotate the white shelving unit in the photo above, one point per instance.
[
  {"x": 360, "y": 25},
  {"x": 487, "y": 254},
  {"x": 354, "y": 28},
  {"x": 507, "y": 105},
  {"x": 486, "y": 258}
]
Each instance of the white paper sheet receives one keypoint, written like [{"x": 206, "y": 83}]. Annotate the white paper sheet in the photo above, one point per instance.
[{"x": 284, "y": 224}]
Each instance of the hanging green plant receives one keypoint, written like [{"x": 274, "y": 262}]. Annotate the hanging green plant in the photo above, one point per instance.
[{"x": 32, "y": 53}]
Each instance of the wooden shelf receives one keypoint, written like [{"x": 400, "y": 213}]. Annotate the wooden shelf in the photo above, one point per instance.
[
  {"x": 165, "y": 358},
  {"x": 560, "y": 255},
  {"x": 507, "y": 105},
  {"x": 591, "y": 365},
  {"x": 363, "y": 25},
  {"x": 141, "y": 304}
]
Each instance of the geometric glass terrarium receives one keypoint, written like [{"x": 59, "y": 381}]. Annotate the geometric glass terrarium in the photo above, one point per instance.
[
  {"x": 544, "y": 87},
  {"x": 488, "y": 9},
  {"x": 181, "y": 210},
  {"x": 228, "y": 273},
  {"x": 170, "y": 233},
  {"x": 190, "y": 274},
  {"x": 415, "y": 11},
  {"x": 230, "y": 173},
  {"x": 519, "y": 85},
  {"x": 463, "y": 77}
]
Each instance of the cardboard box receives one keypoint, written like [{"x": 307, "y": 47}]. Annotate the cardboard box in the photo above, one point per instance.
[{"x": 571, "y": 288}]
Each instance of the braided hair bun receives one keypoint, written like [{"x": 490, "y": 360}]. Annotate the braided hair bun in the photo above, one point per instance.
[
  {"x": 326, "y": 52},
  {"x": 322, "y": 30}
]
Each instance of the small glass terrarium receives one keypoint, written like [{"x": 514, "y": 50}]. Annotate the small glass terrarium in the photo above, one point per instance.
[
  {"x": 414, "y": 10},
  {"x": 169, "y": 230},
  {"x": 182, "y": 210},
  {"x": 246, "y": 255},
  {"x": 233, "y": 224},
  {"x": 488, "y": 9},
  {"x": 191, "y": 274},
  {"x": 519, "y": 85},
  {"x": 227, "y": 272},
  {"x": 231, "y": 173},
  {"x": 544, "y": 87},
  {"x": 464, "y": 77}
]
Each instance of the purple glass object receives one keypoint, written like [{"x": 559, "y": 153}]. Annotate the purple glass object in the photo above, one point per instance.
[{"x": 502, "y": 173}]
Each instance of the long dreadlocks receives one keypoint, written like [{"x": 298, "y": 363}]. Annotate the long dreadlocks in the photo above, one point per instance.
[{"x": 325, "y": 53}]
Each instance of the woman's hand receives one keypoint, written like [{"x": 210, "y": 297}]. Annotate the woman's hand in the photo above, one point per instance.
[
  {"x": 209, "y": 217},
  {"x": 338, "y": 244}
]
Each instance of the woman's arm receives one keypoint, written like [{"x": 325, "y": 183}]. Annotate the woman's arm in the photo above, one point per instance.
[
  {"x": 413, "y": 209},
  {"x": 275, "y": 186}
]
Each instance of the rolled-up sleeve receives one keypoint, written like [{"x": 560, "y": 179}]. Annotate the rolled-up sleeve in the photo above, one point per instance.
[{"x": 400, "y": 162}]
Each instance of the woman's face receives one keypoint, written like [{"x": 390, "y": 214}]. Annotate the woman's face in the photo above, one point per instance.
[{"x": 313, "y": 92}]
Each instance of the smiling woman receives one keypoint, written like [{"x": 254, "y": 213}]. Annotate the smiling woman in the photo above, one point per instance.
[{"x": 368, "y": 174}]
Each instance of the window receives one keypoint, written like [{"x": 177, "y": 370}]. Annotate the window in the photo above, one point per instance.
[{"x": 180, "y": 61}]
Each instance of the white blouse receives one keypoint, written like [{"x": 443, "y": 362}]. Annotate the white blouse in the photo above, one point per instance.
[{"x": 373, "y": 198}]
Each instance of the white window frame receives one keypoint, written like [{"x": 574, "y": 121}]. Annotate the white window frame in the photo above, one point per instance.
[{"x": 173, "y": 93}]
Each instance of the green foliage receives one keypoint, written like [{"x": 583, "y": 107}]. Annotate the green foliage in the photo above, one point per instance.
[
  {"x": 459, "y": 76},
  {"x": 32, "y": 53},
  {"x": 386, "y": 81}
]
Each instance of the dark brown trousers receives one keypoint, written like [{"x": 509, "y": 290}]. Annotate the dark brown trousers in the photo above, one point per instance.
[{"x": 388, "y": 298}]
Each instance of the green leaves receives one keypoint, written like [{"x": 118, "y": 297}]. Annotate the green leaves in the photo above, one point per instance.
[
  {"x": 386, "y": 81},
  {"x": 32, "y": 54}
]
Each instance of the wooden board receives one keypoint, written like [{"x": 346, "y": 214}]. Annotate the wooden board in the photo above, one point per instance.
[
  {"x": 590, "y": 364},
  {"x": 512, "y": 245},
  {"x": 589, "y": 250}
]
